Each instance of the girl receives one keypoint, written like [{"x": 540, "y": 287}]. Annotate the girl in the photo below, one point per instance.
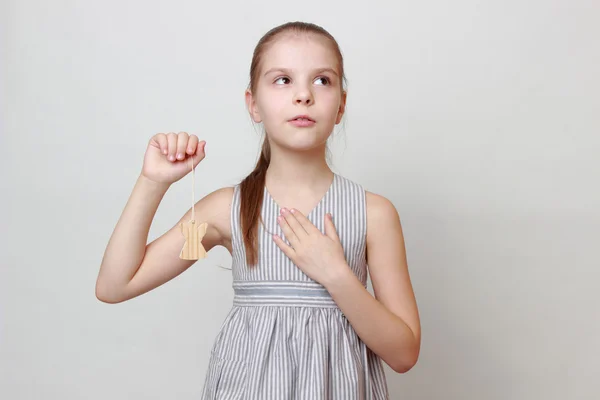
[{"x": 302, "y": 325}]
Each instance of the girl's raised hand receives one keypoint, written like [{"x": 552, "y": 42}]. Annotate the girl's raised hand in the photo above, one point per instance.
[{"x": 167, "y": 157}]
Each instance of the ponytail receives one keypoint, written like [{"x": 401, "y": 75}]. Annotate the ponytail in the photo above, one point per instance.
[{"x": 251, "y": 193}]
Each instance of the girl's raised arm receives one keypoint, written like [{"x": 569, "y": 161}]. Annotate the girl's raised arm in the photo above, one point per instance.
[{"x": 130, "y": 266}]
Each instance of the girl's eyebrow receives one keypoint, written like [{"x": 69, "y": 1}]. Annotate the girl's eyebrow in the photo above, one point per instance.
[{"x": 288, "y": 71}]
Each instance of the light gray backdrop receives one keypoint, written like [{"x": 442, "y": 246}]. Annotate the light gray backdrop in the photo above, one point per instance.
[{"x": 479, "y": 120}]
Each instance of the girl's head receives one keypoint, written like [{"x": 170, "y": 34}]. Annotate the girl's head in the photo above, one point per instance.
[{"x": 297, "y": 69}]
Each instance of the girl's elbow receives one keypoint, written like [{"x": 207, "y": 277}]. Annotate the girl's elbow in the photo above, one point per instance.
[
  {"x": 402, "y": 368},
  {"x": 405, "y": 363},
  {"x": 108, "y": 294}
]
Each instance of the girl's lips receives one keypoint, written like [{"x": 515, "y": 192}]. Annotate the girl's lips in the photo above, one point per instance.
[{"x": 302, "y": 122}]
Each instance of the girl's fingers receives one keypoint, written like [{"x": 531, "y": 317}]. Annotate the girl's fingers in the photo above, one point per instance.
[
  {"x": 172, "y": 146},
  {"x": 182, "y": 143},
  {"x": 199, "y": 155},
  {"x": 161, "y": 141},
  {"x": 177, "y": 146},
  {"x": 192, "y": 144}
]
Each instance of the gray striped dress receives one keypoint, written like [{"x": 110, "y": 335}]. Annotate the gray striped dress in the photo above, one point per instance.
[{"x": 285, "y": 338}]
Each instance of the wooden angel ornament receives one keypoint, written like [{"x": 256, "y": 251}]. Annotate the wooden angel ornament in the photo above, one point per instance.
[{"x": 193, "y": 233}]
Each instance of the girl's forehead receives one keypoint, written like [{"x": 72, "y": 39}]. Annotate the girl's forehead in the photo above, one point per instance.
[{"x": 299, "y": 51}]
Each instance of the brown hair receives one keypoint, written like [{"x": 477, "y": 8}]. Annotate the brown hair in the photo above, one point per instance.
[{"x": 252, "y": 187}]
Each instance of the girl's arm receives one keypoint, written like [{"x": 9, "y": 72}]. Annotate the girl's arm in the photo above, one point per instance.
[
  {"x": 389, "y": 323},
  {"x": 130, "y": 267}
]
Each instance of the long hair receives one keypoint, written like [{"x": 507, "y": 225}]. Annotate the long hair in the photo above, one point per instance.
[{"x": 252, "y": 187}]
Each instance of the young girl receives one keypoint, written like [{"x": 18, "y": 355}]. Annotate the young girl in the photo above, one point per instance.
[{"x": 302, "y": 325}]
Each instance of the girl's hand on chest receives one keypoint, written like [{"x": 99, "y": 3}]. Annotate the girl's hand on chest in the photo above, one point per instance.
[{"x": 320, "y": 256}]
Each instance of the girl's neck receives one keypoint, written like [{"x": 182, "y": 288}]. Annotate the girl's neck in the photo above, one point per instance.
[{"x": 296, "y": 170}]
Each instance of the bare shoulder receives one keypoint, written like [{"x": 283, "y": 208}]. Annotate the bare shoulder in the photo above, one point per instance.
[{"x": 380, "y": 210}]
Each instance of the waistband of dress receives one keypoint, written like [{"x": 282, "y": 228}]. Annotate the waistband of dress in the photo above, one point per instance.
[{"x": 281, "y": 293}]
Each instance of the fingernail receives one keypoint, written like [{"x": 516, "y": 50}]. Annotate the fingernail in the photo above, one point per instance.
[{"x": 292, "y": 211}]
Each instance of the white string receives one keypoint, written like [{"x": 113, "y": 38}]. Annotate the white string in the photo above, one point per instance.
[{"x": 193, "y": 196}]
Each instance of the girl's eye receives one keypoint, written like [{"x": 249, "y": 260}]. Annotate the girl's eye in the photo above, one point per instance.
[{"x": 283, "y": 79}]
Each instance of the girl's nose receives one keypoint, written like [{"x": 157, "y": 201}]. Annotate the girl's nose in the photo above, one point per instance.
[{"x": 304, "y": 97}]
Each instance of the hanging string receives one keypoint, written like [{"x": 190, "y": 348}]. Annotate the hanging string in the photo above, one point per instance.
[
  {"x": 193, "y": 195},
  {"x": 193, "y": 220}
]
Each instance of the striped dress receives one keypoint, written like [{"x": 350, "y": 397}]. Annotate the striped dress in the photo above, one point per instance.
[{"x": 284, "y": 337}]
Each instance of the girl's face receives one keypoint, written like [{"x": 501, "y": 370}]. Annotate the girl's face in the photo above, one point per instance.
[{"x": 299, "y": 76}]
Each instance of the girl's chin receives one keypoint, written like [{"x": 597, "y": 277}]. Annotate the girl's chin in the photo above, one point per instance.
[{"x": 300, "y": 143}]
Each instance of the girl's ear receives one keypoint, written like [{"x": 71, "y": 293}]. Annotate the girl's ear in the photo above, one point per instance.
[
  {"x": 342, "y": 108},
  {"x": 252, "y": 108}
]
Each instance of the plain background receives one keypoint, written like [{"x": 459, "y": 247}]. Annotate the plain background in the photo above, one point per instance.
[{"x": 477, "y": 119}]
